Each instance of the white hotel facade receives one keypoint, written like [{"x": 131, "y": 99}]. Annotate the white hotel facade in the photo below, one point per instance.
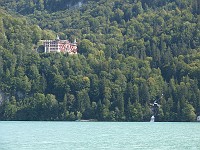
[{"x": 60, "y": 46}]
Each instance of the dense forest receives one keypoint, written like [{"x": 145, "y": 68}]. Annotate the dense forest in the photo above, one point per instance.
[{"x": 130, "y": 53}]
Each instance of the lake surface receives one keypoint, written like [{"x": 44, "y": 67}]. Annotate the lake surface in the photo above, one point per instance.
[{"x": 99, "y": 136}]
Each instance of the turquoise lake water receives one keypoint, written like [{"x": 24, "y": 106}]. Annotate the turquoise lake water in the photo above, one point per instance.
[{"x": 99, "y": 136}]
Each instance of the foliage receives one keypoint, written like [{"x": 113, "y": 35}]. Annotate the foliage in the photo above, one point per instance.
[{"x": 130, "y": 52}]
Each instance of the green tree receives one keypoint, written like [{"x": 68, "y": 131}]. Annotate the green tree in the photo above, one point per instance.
[{"x": 85, "y": 47}]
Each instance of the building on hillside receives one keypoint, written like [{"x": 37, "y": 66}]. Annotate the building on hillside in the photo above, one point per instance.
[{"x": 60, "y": 46}]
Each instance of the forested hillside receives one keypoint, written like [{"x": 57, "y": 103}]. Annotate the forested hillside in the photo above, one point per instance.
[{"x": 130, "y": 53}]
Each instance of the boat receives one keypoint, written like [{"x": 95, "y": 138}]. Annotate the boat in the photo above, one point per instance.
[{"x": 152, "y": 119}]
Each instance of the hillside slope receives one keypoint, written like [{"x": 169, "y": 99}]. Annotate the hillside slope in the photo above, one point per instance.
[{"x": 130, "y": 53}]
